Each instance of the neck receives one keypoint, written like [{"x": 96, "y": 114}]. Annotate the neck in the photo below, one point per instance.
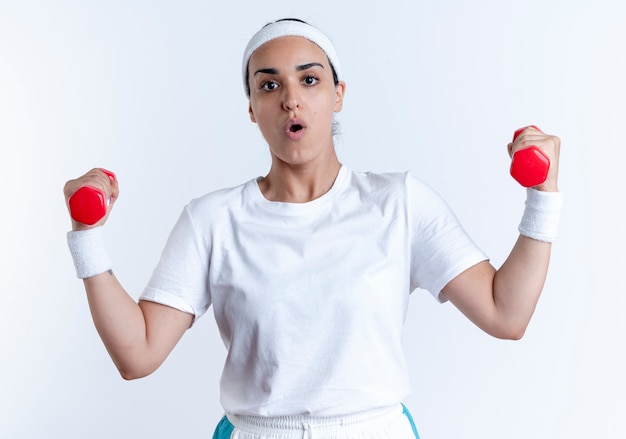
[{"x": 299, "y": 183}]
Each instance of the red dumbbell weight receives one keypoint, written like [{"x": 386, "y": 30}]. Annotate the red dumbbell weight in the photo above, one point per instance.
[
  {"x": 88, "y": 204},
  {"x": 529, "y": 166}
]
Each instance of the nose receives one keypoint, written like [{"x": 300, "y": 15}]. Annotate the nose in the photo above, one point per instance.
[{"x": 291, "y": 98}]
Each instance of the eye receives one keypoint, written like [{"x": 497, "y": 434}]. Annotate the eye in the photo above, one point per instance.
[
  {"x": 268, "y": 85},
  {"x": 310, "y": 80}
]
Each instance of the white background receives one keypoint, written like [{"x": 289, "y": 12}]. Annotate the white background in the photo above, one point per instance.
[{"x": 152, "y": 90}]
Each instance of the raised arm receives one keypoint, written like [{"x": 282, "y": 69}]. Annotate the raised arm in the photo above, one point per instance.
[
  {"x": 138, "y": 336},
  {"x": 502, "y": 302}
]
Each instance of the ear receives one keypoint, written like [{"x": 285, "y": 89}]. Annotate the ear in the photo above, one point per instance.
[
  {"x": 252, "y": 118},
  {"x": 340, "y": 90}
]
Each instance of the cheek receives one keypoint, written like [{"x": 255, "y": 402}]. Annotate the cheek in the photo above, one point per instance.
[
  {"x": 263, "y": 117},
  {"x": 258, "y": 112},
  {"x": 265, "y": 120}
]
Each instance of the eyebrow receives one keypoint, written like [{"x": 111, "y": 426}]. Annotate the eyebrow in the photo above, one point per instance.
[
  {"x": 273, "y": 71},
  {"x": 308, "y": 66}
]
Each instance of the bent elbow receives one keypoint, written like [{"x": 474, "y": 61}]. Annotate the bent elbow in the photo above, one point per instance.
[
  {"x": 130, "y": 373},
  {"x": 514, "y": 336},
  {"x": 512, "y": 332},
  {"x": 507, "y": 331},
  {"x": 133, "y": 375}
]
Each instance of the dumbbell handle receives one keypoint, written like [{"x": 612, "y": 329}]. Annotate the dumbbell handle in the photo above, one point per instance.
[
  {"x": 529, "y": 166},
  {"x": 88, "y": 204}
]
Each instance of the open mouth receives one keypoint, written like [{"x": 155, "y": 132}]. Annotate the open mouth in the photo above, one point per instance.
[{"x": 295, "y": 128}]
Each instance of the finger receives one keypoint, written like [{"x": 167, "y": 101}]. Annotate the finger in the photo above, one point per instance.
[
  {"x": 525, "y": 130},
  {"x": 90, "y": 197}
]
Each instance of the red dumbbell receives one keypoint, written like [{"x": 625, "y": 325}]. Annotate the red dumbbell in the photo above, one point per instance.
[
  {"x": 88, "y": 205},
  {"x": 530, "y": 165}
]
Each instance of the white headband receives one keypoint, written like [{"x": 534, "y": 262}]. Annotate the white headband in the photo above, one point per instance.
[{"x": 289, "y": 28}]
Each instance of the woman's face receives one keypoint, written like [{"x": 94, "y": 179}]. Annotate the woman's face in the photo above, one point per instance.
[{"x": 293, "y": 99}]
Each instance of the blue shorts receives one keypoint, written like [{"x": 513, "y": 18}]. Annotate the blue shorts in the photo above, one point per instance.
[{"x": 392, "y": 423}]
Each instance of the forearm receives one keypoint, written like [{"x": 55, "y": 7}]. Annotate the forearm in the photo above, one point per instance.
[
  {"x": 121, "y": 324},
  {"x": 502, "y": 302},
  {"x": 518, "y": 283}
]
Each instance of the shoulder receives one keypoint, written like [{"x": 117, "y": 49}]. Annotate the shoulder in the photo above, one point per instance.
[
  {"x": 221, "y": 195},
  {"x": 404, "y": 192},
  {"x": 219, "y": 202},
  {"x": 403, "y": 182}
]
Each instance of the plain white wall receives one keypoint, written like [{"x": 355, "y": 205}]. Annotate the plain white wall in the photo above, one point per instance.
[{"x": 152, "y": 91}]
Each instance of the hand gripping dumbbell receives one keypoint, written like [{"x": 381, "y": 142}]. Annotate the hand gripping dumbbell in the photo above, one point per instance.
[
  {"x": 88, "y": 204},
  {"x": 530, "y": 165}
]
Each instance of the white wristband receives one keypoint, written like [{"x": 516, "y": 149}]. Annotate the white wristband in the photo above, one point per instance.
[
  {"x": 88, "y": 252},
  {"x": 540, "y": 220}
]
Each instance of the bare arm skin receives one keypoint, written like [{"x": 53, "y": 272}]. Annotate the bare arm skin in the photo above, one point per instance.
[
  {"x": 138, "y": 336},
  {"x": 502, "y": 302}
]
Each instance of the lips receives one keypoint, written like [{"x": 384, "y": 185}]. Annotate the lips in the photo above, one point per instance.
[{"x": 294, "y": 128}]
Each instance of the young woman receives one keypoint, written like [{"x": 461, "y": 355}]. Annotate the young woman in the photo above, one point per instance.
[{"x": 309, "y": 268}]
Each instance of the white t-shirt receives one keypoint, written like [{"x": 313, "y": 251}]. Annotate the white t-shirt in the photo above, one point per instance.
[{"x": 310, "y": 298}]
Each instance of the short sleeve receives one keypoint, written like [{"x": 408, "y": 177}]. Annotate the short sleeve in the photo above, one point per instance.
[
  {"x": 180, "y": 279},
  {"x": 441, "y": 249}
]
